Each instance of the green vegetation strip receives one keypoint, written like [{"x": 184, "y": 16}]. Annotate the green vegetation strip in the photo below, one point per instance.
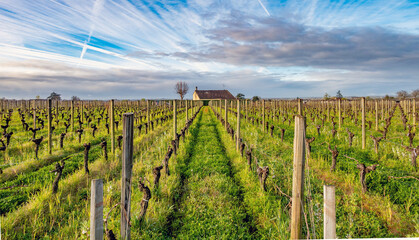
[
  {"x": 65, "y": 215},
  {"x": 368, "y": 215},
  {"x": 210, "y": 201},
  {"x": 268, "y": 209},
  {"x": 15, "y": 192},
  {"x": 71, "y": 147}
]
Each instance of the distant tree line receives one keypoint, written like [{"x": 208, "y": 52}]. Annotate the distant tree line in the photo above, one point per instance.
[
  {"x": 57, "y": 97},
  {"x": 241, "y": 97},
  {"x": 402, "y": 94}
]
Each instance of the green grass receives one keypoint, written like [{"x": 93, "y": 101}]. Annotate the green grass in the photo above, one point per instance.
[
  {"x": 211, "y": 192},
  {"x": 210, "y": 205},
  {"x": 391, "y": 219},
  {"x": 65, "y": 214}
]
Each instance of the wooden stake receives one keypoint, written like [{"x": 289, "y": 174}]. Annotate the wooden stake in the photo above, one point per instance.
[
  {"x": 81, "y": 111},
  {"x": 174, "y": 119},
  {"x": 382, "y": 109},
  {"x": 340, "y": 112},
  {"x": 1, "y": 109},
  {"x": 57, "y": 108},
  {"x": 414, "y": 114},
  {"x": 49, "y": 126},
  {"x": 127, "y": 154},
  {"x": 72, "y": 115},
  {"x": 112, "y": 125},
  {"x": 300, "y": 106},
  {"x": 226, "y": 113},
  {"x": 220, "y": 108},
  {"x": 328, "y": 111},
  {"x": 96, "y": 210},
  {"x": 238, "y": 126},
  {"x": 376, "y": 115},
  {"x": 298, "y": 177},
  {"x": 263, "y": 114},
  {"x": 329, "y": 222},
  {"x": 363, "y": 121},
  {"x": 246, "y": 107},
  {"x": 34, "y": 114},
  {"x": 186, "y": 102},
  {"x": 148, "y": 116}
]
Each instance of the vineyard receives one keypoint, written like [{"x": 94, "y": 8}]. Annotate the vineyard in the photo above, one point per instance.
[{"x": 219, "y": 169}]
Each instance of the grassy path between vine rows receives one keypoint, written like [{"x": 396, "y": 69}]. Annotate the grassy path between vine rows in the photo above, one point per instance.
[{"x": 209, "y": 203}]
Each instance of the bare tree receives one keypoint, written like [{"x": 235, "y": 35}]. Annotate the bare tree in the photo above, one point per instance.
[
  {"x": 181, "y": 89},
  {"x": 402, "y": 94},
  {"x": 415, "y": 93}
]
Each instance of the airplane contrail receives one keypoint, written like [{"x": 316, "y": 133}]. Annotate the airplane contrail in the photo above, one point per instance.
[
  {"x": 84, "y": 50},
  {"x": 264, "y": 8},
  {"x": 97, "y": 7}
]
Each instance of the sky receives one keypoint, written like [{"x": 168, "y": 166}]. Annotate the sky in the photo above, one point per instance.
[{"x": 134, "y": 49}]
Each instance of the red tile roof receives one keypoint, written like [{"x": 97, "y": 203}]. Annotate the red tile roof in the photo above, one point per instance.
[{"x": 214, "y": 94}]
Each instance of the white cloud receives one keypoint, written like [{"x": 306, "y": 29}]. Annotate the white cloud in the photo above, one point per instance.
[{"x": 147, "y": 45}]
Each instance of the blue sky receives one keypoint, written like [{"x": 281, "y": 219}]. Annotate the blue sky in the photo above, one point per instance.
[{"x": 129, "y": 49}]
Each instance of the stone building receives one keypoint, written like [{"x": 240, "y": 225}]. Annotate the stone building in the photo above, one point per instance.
[{"x": 212, "y": 94}]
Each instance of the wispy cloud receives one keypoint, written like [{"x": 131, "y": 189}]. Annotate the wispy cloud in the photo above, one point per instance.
[
  {"x": 97, "y": 7},
  {"x": 144, "y": 44}
]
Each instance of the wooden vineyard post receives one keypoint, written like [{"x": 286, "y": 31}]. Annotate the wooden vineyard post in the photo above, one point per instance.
[
  {"x": 238, "y": 126},
  {"x": 409, "y": 107},
  {"x": 57, "y": 108},
  {"x": 220, "y": 107},
  {"x": 174, "y": 119},
  {"x": 328, "y": 111},
  {"x": 363, "y": 121},
  {"x": 96, "y": 210},
  {"x": 148, "y": 116},
  {"x": 355, "y": 109},
  {"x": 300, "y": 106},
  {"x": 376, "y": 115},
  {"x": 273, "y": 110},
  {"x": 329, "y": 212},
  {"x": 49, "y": 126},
  {"x": 382, "y": 109},
  {"x": 186, "y": 101},
  {"x": 225, "y": 113},
  {"x": 34, "y": 114},
  {"x": 81, "y": 110},
  {"x": 298, "y": 177},
  {"x": 112, "y": 124},
  {"x": 127, "y": 154},
  {"x": 414, "y": 114},
  {"x": 263, "y": 115},
  {"x": 246, "y": 107},
  {"x": 1, "y": 110},
  {"x": 137, "y": 118},
  {"x": 72, "y": 115},
  {"x": 340, "y": 112}
]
